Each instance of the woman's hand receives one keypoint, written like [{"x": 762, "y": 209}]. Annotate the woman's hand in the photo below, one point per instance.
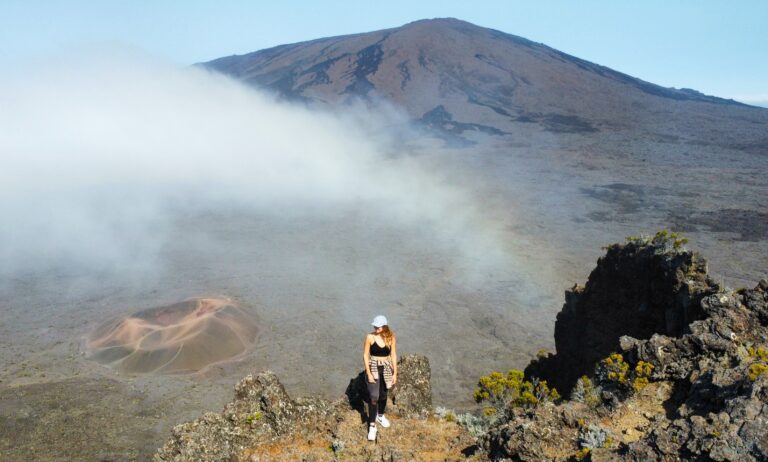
[
  {"x": 394, "y": 377},
  {"x": 370, "y": 378}
]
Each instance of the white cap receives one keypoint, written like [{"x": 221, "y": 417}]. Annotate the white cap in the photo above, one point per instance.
[{"x": 379, "y": 321}]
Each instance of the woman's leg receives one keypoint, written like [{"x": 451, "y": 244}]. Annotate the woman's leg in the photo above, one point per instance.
[
  {"x": 373, "y": 396},
  {"x": 382, "y": 403}
]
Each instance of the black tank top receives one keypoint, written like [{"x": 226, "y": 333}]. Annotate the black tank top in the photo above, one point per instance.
[{"x": 376, "y": 350}]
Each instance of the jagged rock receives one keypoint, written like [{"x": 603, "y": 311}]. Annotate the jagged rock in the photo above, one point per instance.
[
  {"x": 412, "y": 396},
  {"x": 757, "y": 300},
  {"x": 532, "y": 437},
  {"x": 261, "y": 410},
  {"x": 750, "y": 409},
  {"x": 673, "y": 356},
  {"x": 704, "y": 343},
  {"x": 635, "y": 290}
]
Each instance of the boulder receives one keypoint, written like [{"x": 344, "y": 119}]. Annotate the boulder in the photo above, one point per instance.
[
  {"x": 261, "y": 411},
  {"x": 410, "y": 397}
]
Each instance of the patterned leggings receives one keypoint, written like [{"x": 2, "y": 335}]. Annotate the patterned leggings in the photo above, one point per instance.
[{"x": 378, "y": 394}]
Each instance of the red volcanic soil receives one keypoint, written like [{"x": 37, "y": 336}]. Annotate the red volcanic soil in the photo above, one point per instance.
[{"x": 180, "y": 338}]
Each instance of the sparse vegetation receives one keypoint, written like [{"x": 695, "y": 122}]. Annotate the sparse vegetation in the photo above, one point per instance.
[
  {"x": 756, "y": 370},
  {"x": 586, "y": 392},
  {"x": 581, "y": 454},
  {"x": 593, "y": 437},
  {"x": 337, "y": 446},
  {"x": 475, "y": 425},
  {"x": 258, "y": 415},
  {"x": 643, "y": 371},
  {"x": 759, "y": 356},
  {"x": 664, "y": 241},
  {"x": 615, "y": 372},
  {"x": 501, "y": 390},
  {"x": 443, "y": 412}
]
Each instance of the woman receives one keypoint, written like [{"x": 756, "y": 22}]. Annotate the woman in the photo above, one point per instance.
[{"x": 380, "y": 359}]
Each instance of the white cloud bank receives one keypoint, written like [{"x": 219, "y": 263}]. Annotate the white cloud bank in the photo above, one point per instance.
[
  {"x": 754, "y": 100},
  {"x": 96, "y": 150}
]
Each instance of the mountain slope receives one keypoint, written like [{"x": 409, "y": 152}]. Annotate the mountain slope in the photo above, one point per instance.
[{"x": 457, "y": 77}]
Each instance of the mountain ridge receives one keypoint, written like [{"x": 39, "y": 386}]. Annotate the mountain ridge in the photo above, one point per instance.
[
  {"x": 670, "y": 92},
  {"x": 456, "y": 78}
]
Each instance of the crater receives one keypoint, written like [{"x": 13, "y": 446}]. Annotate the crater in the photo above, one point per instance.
[{"x": 182, "y": 338}]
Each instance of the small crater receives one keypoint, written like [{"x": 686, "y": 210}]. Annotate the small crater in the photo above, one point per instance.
[{"x": 185, "y": 337}]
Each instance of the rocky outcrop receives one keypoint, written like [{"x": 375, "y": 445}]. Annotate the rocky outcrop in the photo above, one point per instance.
[
  {"x": 262, "y": 417},
  {"x": 704, "y": 349},
  {"x": 637, "y": 290},
  {"x": 411, "y": 397},
  {"x": 261, "y": 412}
]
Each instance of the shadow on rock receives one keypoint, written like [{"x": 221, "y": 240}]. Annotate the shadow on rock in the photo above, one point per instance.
[{"x": 357, "y": 395}]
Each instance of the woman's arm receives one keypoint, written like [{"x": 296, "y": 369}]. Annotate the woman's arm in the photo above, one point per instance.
[
  {"x": 393, "y": 359},
  {"x": 367, "y": 357}
]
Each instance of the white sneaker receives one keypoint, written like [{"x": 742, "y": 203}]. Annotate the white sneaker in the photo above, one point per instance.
[
  {"x": 382, "y": 419},
  {"x": 372, "y": 433}
]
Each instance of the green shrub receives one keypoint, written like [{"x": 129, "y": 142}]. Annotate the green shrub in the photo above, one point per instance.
[
  {"x": 512, "y": 389},
  {"x": 254, "y": 417},
  {"x": 586, "y": 392},
  {"x": 476, "y": 425},
  {"x": 615, "y": 372},
  {"x": 594, "y": 436},
  {"x": 643, "y": 371},
  {"x": 664, "y": 241},
  {"x": 756, "y": 370},
  {"x": 581, "y": 454},
  {"x": 759, "y": 356}
]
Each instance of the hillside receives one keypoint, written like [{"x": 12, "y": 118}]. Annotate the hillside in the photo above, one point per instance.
[{"x": 456, "y": 78}]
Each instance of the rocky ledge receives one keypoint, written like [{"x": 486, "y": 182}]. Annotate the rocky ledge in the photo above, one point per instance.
[{"x": 263, "y": 423}]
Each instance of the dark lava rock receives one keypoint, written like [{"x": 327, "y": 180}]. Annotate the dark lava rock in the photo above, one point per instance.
[
  {"x": 708, "y": 347},
  {"x": 636, "y": 290},
  {"x": 412, "y": 395},
  {"x": 532, "y": 436},
  {"x": 261, "y": 411}
]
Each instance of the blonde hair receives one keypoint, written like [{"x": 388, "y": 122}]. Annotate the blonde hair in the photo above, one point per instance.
[{"x": 387, "y": 335}]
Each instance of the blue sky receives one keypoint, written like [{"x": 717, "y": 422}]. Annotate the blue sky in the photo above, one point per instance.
[{"x": 717, "y": 47}]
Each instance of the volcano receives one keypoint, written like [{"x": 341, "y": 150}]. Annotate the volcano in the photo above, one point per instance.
[{"x": 457, "y": 79}]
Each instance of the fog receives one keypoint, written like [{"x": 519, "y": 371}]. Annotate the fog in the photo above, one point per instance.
[
  {"x": 99, "y": 150},
  {"x": 131, "y": 190}
]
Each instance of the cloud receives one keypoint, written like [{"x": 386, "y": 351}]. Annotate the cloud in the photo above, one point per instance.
[
  {"x": 99, "y": 150},
  {"x": 755, "y": 99}
]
